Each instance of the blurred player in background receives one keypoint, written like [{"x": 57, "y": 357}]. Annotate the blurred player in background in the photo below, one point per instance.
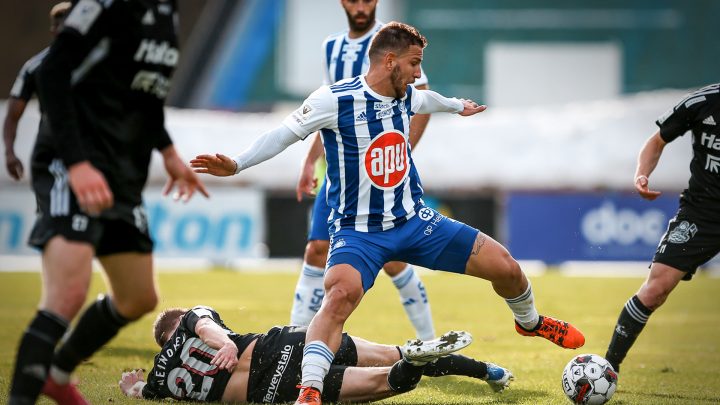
[
  {"x": 376, "y": 197},
  {"x": 102, "y": 86},
  {"x": 345, "y": 55},
  {"x": 693, "y": 235},
  {"x": 202, "y": 359},
  {"x": 22, "y": 91}
]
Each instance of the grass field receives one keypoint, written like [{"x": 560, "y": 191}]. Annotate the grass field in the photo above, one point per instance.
[{"x": 675, "y": 361}]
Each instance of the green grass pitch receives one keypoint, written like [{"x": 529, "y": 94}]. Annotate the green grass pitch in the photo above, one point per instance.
[{"x": 675, "y": 361}]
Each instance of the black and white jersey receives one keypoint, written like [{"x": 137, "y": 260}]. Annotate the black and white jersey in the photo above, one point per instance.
[
  {"x": 24, "y": 86},
  {"x": 698, "y": 112},
  {"x": 103, "y": 84},
  {"x": 182, "y": 369}
]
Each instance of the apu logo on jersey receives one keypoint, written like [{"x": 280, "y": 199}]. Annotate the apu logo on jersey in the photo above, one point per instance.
[
  {"x": 150, "y": 51},
  {"x": 386, "y": 160}
]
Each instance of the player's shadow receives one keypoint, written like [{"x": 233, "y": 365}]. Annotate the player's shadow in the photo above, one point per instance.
[
  {"x": 686, "y": 399},
  {"x": 129, "y": 351},
  {"x": 475, "y": 390}
]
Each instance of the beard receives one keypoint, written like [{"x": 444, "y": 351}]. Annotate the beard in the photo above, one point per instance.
[
  {"x": 361, "y": 26},
  {"x": 398, "y": 85}
]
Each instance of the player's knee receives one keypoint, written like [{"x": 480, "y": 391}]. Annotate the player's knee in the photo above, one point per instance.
[
  {"x": 137, "y": 307},
  {"x": 511, "y": 271},
  {"x": 341, "y": 300},
  {"x": 653, "y": 295},
  {"x": 394, "y": 268},
  {"x": 400, "y": 381},
  {"x": 316, "y": 252}
]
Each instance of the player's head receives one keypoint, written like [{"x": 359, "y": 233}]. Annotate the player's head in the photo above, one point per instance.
[
  {"x": 398, "y": 49},
  {"x": 166, "y": 323},
  {"x": 360, "y": 14},
  {"x": 57, "y": 16}
]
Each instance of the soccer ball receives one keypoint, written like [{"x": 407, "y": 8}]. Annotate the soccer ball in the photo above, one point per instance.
[{"x": 589, "y": 379}]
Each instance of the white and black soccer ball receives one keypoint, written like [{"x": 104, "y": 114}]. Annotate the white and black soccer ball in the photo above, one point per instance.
[{"x": 589, "y": 379}]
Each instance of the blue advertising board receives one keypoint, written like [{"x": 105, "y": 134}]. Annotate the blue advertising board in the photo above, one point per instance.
[{"x": 557, "y": 227}]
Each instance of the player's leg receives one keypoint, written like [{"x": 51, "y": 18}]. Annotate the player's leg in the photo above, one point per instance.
[
  {"x": 67, "y": 268},
  {"x": 125, "y": 256},
  {"x": 491, "y": 261},
  {"x": 634, "y": 315},
  {"x": 413, "y": 297},
  {"x": 344, "y": 289},
  {"x": 686, "y": 245},
  {"x": 309, "y": 290},
  {"x": 371, "y": 354}
]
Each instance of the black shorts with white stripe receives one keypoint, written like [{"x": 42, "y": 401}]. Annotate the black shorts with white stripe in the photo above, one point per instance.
[{"x": 58, "y": 214}]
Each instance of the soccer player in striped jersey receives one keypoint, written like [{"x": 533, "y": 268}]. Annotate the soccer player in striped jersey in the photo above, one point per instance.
[
  {"x": 344, "y": 56},
  {"x": 22, "y": 91},
  {"x": 693, "y": 234},
  {"x": 376, "y": 198}
]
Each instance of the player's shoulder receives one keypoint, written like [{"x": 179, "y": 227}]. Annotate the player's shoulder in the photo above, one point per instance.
[
  {"x": 709, "y": 94},
  {"x": 346, "y": 85},
  {"x": 32, "y": 63},
  {"x": 335, "y": 36}
]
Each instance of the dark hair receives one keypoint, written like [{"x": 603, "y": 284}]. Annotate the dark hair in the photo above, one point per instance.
[
  {"x": 164, "y": 322},
  {"x": 395, "y": 37}
]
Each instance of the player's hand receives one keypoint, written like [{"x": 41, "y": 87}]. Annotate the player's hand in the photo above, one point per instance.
[
  {"x": 642, "y": 186},
  {"x": 14, "y": 165},
  {"x": 226, "y": 357},
  {"x": 471, "y": 108},
  {"x": 307, "y": 182},
  {"x": 132, "y": 382},
  {"x": 181, "y": 177},
  {"x": 217, "y": 165},
  {"x": 90, "y": 187}
]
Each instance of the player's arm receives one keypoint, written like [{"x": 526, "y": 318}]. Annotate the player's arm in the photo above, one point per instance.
[
  {"x": 647, "y": 160},
  {"x": 83, "y": 29},
  {"x": 318, "y": 111},
  {"x": 268, "y": 145},
  {"x": 428, "y": 101},
  {"x": 418, "y": 123},
  {"x": 15, "y": 110},
  {"x": 307, "y": 182},
  {"x": 216, "y": 337}
]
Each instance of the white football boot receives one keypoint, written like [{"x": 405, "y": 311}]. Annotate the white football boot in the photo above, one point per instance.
[{"x": 419, "y": 353}]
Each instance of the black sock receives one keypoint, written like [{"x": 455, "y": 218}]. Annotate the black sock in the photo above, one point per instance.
[
  {"x": 456, "y": 364},
  {"x": 404, "y": 377},
  {"x": 631, "y": 322},
  {"x": 34, "y": 356},
  {"x": 98, "y": 325}
]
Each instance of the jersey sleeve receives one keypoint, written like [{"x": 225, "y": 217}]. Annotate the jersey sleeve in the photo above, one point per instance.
[
  {"x": 428, "y": 101},
  {"x": 676, "y": 121},
  {"x": 87, "y": 23},
  {"x": 24, "y": 86},
  {"x": 318, "y": 111},
  {"x": 191, "y": 318}
]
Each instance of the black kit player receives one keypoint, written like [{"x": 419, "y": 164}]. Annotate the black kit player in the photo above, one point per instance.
[
  {"x": 693, "y": 235},
  {"x": 102, "y": 86},
  {"x": 202, "y": 359},
  {"x": 23, "y": 90}
]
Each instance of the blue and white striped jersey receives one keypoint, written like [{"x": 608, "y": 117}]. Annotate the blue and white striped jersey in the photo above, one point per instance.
[
  {"x": 372, "y": 183},
  {"x": 345, "y": 57}
]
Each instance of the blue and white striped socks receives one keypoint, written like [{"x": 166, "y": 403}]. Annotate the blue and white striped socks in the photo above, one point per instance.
[
  {"x": 316, "y": 361},
  {"x": 523, "y": 308},
  {"x": 309, "y": 293},
  {"x": 415, "y": 302}
]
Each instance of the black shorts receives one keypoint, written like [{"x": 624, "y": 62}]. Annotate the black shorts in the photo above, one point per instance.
[
  {"x": 275, "y": 367},
  {"x": 689, "y": 242},
  {"x": 118, "y": 230}
]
